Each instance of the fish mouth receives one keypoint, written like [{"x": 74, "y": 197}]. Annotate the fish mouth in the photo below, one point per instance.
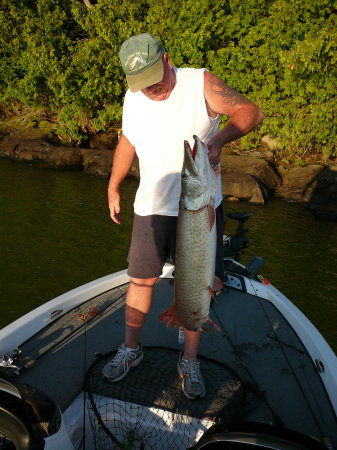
[
  {"x": 195, "y": 161},
  {"x": 198, "y": 178},
  {"x": 190, "y": 155},
  {"x": 192, "y": 151}
]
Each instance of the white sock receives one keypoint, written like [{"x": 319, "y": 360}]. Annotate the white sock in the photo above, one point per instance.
[{"x": 128, "y": 349}]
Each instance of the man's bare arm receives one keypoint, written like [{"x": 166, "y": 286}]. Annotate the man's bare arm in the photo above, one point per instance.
[
  {"x": 122, "y": 162},
  {"x": 222, "y": 99}
]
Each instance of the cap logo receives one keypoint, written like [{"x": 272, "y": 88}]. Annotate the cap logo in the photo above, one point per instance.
[
  {"x": 136, "y": 61},
  {"x": 140, "y": 57}
]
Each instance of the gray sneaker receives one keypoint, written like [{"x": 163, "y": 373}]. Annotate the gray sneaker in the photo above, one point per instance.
[
  {"x": 193, "y": 382},
  {"x": 120, "y": 365}
]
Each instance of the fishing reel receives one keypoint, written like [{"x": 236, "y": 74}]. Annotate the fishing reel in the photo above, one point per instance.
[{"x": 11, "y": 359}]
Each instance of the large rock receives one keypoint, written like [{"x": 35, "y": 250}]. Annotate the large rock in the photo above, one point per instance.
[
  {"x": 314, "y": 185},
  {"x": 324, "y": 196},
  {"x": 35, "y": 146},
  {"x": 10, "y": 142},
  {"x": 97, "y": 162},
  {"x": 29, "y": 145},
  {"x": 106, "y": 141},
  {"x": 248, "y": 177},
  {"x": 299, "y": 183},
  {"x": 325, "y": 186}
]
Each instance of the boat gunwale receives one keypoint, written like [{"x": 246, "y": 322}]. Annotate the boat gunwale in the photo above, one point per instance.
[{"x": 312, "y": 340}]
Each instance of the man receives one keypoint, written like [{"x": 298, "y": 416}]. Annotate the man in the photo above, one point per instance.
[{"x": 163, "y": 107}]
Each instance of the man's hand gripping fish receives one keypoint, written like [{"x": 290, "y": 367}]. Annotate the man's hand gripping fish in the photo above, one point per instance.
[{"x": 196, "y": 242}]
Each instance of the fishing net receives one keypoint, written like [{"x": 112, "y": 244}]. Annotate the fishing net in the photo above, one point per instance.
[{"x": 148, "y": 410}]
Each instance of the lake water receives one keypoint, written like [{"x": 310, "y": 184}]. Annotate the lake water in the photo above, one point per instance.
[{"x": 56, "y": 234}]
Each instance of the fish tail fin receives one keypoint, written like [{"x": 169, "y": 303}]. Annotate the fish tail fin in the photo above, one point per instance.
[{"x": 169, "y": 317}]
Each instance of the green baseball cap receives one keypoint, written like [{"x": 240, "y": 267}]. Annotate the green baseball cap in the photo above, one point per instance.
[{"x": 141, "y": 59}]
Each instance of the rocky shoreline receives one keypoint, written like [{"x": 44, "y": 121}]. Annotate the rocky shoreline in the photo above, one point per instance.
[{"x": 254, "y": 176}]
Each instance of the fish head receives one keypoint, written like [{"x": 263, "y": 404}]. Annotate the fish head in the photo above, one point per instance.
[{"x": 198, "y": 179}]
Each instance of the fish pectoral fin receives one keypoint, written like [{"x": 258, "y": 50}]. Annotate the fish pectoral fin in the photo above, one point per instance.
[
  {"x": 208, "y": 329},
  {"x": 217, "y": 284},
  {"x": 169, "y": 317},
  {"x": 212, "y": 293}
]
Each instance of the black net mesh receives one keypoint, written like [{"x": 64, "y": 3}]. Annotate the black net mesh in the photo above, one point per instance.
[{"x": 148, "y": 410}]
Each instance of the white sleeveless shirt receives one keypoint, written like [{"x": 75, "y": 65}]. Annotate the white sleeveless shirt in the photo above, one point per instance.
[{"x": 157, "y": 130}]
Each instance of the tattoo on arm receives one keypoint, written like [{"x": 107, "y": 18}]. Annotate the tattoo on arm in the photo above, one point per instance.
[{"x": 229, "y": 96}]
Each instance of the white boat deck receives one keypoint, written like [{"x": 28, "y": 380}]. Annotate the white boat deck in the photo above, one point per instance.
[{"x": 279, "y": 379}]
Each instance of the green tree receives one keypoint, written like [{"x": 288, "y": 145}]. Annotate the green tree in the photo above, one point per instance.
[{"x": 61, "y": 56}]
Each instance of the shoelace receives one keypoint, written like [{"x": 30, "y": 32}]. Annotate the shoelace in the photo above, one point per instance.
[
  {"x": 120, "y": 355},
  {"x": 192, "y": 368}
]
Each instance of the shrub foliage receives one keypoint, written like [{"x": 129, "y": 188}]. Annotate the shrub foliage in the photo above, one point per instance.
[{"x": 61, "y": 57}]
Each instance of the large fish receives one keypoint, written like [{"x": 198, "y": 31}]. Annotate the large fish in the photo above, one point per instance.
[{"x": 196, "y": 242}]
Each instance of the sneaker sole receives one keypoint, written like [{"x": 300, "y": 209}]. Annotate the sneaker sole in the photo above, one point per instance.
[
  {"x": 194, "y": 396},
  {"x": 133, "y": 364}
]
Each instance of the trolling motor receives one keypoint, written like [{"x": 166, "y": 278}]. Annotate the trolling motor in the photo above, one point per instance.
[{"x": 235, "y": 245}]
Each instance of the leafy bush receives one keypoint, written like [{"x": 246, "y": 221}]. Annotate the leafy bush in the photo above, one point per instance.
[{"x": 61, "y": 56}]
